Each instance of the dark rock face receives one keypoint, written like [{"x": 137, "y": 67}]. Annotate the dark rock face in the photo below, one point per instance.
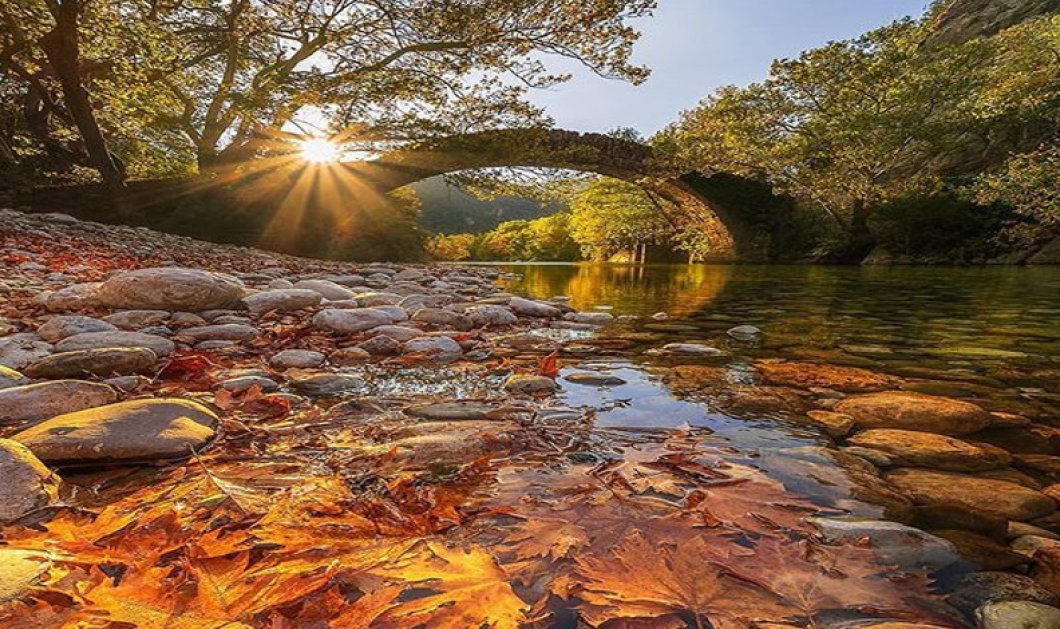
[{"x": 963, "y": 20}]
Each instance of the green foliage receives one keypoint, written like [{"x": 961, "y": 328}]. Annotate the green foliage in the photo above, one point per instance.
[
  {"x": 450, "y": 247},
  {"x": 854, "y": 125},
  {"x": 610, "y": 216},
  {"x": 1030, "y": 185},
  {"x": 942, "y": 224}
]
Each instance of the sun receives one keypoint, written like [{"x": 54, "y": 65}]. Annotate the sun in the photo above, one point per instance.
[{"x": 319, "y": 151}]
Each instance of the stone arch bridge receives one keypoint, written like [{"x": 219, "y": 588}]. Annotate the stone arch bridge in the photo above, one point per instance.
[{"x": 722, "y": 212}]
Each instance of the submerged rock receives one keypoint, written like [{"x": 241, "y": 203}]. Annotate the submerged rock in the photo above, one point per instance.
[
  {"x": 894, "y": 543},
  {"x": 126, "y": 431},
  {"x": 811, "y": 375},
  {"x": 594, "y": 379},
  {"x": 451, "y": 411},
  {"x": 691, "y": 349},
  {"x": 27, "y": 484},
  {"x": 992, "y": 497},
  {"x": 925, "y": 449},
  {"x": 34, "y": 402},
  {"x": 170, "y": 288},
  {"x": 914, "y": 411}
]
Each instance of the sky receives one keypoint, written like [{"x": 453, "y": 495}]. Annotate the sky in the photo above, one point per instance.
[{"x": 696, "y": 46}]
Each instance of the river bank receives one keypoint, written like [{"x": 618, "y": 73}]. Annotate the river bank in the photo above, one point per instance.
[{"x": 241, "y": 438}]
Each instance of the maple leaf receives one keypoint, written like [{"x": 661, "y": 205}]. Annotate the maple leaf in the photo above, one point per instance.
[
  {"x": 554, "y": 539},
  {"x": 466, "y": 588},
  {"x": 549, "y": 365},
  {"x": 647, "y": 581}
]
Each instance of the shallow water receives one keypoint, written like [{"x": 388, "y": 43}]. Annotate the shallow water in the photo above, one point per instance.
[{"x": 988, "y": 334}]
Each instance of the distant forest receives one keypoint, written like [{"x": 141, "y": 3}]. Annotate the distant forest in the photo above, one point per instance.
[{"x": 447, "y": 209}]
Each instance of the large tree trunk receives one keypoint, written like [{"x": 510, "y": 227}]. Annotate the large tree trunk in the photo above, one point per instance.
[
  {"x": 64, "y": 54},
  {"x": 860, "y": 240}
]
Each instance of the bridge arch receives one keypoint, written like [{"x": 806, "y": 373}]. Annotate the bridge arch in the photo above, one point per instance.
[{"x": 605, "y": 155}]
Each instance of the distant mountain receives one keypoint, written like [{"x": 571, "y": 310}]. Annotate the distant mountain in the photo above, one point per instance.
[
  {"x": 449, "y": 210},
  {"x": 960, "y": 20}
]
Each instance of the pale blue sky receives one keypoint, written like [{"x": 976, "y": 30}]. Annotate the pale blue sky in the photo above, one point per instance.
[{"x": 696, "y": 46}]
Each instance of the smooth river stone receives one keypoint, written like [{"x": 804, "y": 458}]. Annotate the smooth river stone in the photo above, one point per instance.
[
  {"x": 914, "y": 411},
  {"x": 810, "y": 375},
  {"x": 351, "y": 321},
  {"x": 20, "y": 571},
  {"x": 894, "y": 543},
  {"x": 925, "y": 449},
  {"x": 161, "y": 346},
  {"x": 58, "y": 328},
  {"x": 122, "y": 361},
  {"x": 282, "y": 300},
  {"x": 170, "y": 288},
  {"x": 34, "y": 402},
  {"x": 983, "y": 495},
  {"x": 1018, "y": 615},
  {"x": 128, "y": 431},
  {"x": 27, "y": 484}
]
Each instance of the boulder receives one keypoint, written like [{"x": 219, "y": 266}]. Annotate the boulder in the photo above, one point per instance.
[
  {"x": 282, "y": 300},
  {"x": 72, "y": 297},
  {"x": 122, "y": 361},
  {"x": 914, "y": 411},
  {"x": 27, "y": 484},
  {"x": 924, "y": 449},
  {"x": 161, "y": 346},
  {"x": 351, "y": 321},
  {"x": 127, "y": 431},
  {"x": 34, "y": 402},
  {"x": 58, "y": 328},
  {"x": 894, "y": 543},
  {"x": 981, "y": 550},
  {"x": 170, "y": 288},
  {"x": 992, "y": 497}
]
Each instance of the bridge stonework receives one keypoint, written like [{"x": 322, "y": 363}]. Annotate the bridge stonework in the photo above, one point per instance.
[{"x": 730, "y": 234}]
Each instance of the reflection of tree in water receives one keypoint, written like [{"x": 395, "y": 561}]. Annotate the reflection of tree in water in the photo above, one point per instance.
[{"x": 630, "y": 289}]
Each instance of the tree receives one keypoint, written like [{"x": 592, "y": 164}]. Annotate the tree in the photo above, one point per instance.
[
  {"x": 846, "y": 125},
  {"x": 376, "y": 69},
  {"x": 451, "y": 248},
  {"x": 610, "y": 216}
]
